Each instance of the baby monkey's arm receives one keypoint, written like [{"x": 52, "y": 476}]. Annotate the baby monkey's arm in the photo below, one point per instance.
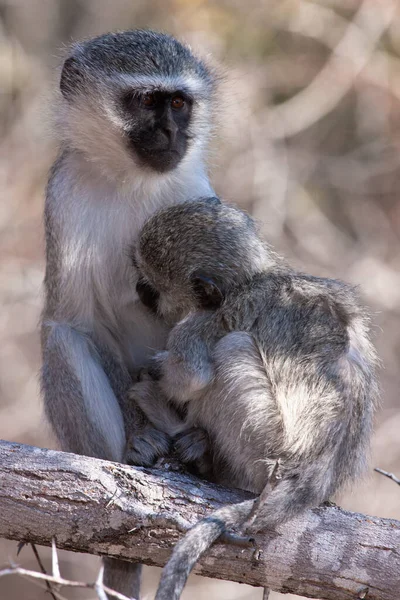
[
  {"x": 186, "y": 367},
  {"x": 149, "y": 396}
]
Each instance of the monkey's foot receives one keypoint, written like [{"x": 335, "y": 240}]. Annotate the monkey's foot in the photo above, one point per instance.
[
  {"x": 146, "y": 446},
  {"x": 193, "y": 449}
]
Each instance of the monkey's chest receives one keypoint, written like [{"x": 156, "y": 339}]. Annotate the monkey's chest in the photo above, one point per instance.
[
  {"x": 98, "y": 266},
  {"x": 132, "y": 326}
]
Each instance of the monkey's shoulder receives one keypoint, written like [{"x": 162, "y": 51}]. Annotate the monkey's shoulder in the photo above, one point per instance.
[{"x": 293, "y": 309}]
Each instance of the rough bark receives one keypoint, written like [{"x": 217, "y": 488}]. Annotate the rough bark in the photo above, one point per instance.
[{"x": 100, "y": 507}]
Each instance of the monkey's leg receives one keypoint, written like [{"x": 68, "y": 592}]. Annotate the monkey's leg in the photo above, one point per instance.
[
  {"x": 150, "y": 398},
  {"x": 86, "y": 417},
  {"x": 79, "y": 401}
]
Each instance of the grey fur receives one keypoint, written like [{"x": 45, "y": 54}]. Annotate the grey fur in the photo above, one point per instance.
[
  {"x": 282, "y": 370},
  {"x": 139, "y": 53},
  {"x": 95, "y": 332}
]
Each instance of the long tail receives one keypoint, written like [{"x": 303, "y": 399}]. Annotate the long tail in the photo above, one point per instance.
[
  {"x": 190, "y": 549},
  {"x": 302, "y": 486}
]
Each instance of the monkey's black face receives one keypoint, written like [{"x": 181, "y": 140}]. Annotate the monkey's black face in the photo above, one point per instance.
[
  {"x": 158, "y": 125},
  {"x": 199, "y": 293}
]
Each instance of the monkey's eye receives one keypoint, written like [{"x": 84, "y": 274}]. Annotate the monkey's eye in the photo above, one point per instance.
[
  {"x": 177, "y": 102},
  {"x": 149, "y": 100}
]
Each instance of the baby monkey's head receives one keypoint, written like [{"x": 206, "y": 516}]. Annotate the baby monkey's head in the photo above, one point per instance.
[{"x": 191, "y": 256}]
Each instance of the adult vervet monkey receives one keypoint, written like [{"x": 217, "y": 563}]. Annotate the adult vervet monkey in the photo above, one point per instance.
[
  {"x": 134, "y": 118},
  {"x": 275, "y": 365}
]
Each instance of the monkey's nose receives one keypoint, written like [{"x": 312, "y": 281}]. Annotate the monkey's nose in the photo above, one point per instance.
[{"x": 171, "y": 129}]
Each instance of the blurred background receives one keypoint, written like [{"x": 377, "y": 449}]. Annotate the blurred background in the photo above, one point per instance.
[{"x": 308, "y": 142}]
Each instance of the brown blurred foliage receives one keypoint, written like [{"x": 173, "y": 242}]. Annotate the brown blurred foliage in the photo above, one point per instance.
[{"x": 308, "y": 142}]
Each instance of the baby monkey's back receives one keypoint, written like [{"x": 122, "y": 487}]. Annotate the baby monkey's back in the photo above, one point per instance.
[{"x": 272, "y": 363}]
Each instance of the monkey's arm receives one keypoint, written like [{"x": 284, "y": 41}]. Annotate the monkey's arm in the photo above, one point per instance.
[{"x": 187, "y": 365}]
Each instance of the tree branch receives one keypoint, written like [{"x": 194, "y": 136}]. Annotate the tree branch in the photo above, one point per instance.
[
  {"x": 100, "y": 507},
  {"x": 391, "y": 476}
]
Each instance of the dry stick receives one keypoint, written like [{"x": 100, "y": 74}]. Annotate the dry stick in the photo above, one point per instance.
[
  {"x": 389, "y": 475},
  {"x": 99, "y": 587},
  {"x": 44, "y": 587},
  {"x": 96, "y": 586},
  {"x": 42, "y": 568},
  {"x": 54, "y": 559},
  {"x": 266, "y": 593}
]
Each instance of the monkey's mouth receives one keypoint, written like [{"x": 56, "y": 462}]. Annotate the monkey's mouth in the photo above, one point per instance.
[
  {"x": 158, "y": 153},
  {"x": 161, "y": 160}
]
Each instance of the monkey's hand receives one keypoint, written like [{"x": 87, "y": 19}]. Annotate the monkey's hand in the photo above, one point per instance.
[{"x": 181, "y": 373}]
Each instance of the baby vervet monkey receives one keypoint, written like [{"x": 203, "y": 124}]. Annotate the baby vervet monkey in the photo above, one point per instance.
[{"x": 275, "y": 365}]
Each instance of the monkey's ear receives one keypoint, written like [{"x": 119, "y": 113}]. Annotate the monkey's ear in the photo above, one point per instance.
[
  {"x": 206, "y": 290},
  {"x": 72, "y": 77}
]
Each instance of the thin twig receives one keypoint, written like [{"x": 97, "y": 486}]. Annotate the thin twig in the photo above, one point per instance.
[
  {"x": 20, "y": 546},
  {"x": 112, "y": 499},
  {"x": 389, "y": 475},
  {"x": 54, "y": 559},
  {"x": 14, "y": 570},
  {"x": 99, "y": 584},
  {"x": 43, "y": 570},
  {"x": 43, "y": 586}
]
